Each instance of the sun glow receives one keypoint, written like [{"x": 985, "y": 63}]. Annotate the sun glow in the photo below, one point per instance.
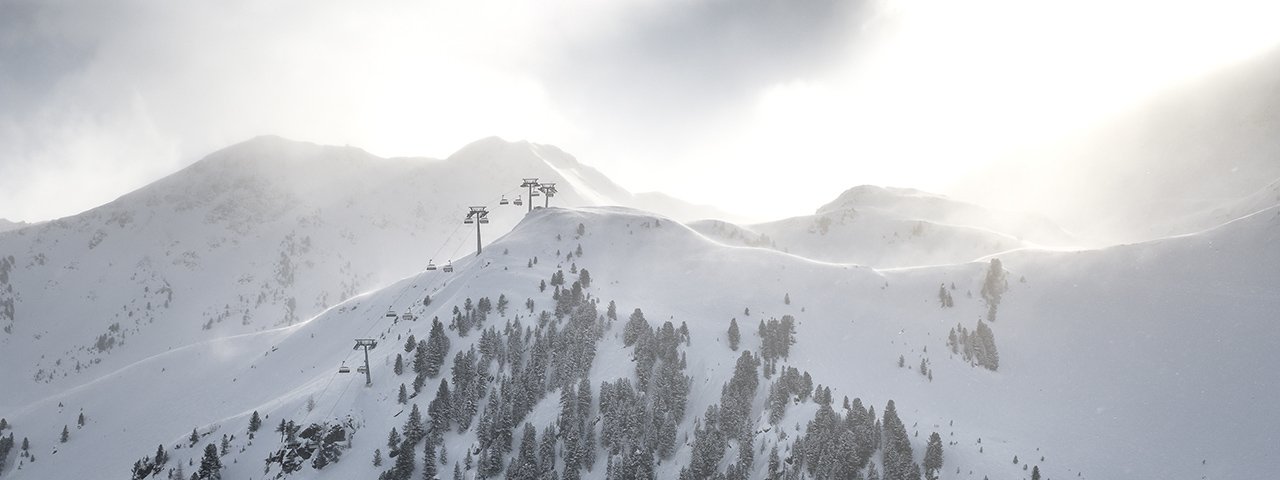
[{"x": 947, "y": 87}]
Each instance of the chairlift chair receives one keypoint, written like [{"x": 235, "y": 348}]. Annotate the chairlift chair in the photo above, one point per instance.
[
  {"x": 391, "y": 314},
  {"x": 503, "y": 201},
  {"x": 535, "y": 194},
  {"x": 518, "y": 202},
  {"x": 484, "y": 220},
  {"x": 468, "y": 221},
  {"x": 448, "y": 267},
  {"x": 361, "y": 369},
  {"x": 344, "y": 369},
  {"x": 431, "y": 265}
]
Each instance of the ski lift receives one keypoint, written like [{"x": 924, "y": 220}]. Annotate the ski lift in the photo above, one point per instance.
[
  {"x": 344, "y": 368},
  {"x": 517, "y": 201},
  {"x": 503, "y": 201},
  {"x": 391, "y": 314},
  {"x": 448, "y": 267},
  {"x": 362, "y": 369},
  {"x": 431, "y": 265}
]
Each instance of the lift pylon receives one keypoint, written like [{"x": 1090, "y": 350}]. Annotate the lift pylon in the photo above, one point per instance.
[
  {"x": 366, "y": 344},
  {"x": 548, "y": 190},
  {"x": 478, "y": 216},
  {"x": 530, "y": 183}
]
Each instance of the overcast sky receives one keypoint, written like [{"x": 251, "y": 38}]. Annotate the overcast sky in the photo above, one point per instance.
[{"x": 712, "y": 101}]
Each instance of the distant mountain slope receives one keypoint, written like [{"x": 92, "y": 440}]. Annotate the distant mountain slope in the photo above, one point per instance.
[
  {"x": 1221, "y": 212},
  {"x": 894, "y": 227},
  {"x": 1098, "y": 351},
  {"x": 258, "y": 235},
  {"x": 6, "y": 225}
]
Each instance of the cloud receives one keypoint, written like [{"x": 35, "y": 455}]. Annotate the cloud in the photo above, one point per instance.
[{"x": 705, "y": 99}]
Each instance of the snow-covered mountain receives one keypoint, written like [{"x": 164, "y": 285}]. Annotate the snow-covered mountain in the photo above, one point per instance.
[
  {"x": 259, "y": 235},
  {"x": 1141, "y": 361},
  {"x": 894, "y": 227}
]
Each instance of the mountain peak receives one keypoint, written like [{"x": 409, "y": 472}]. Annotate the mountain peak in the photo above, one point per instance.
[{"x": 863, "y": 196}]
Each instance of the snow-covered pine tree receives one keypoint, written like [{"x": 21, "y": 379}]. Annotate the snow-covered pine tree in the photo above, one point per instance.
[
  {"x": 414, "y": 430},
  {"x": 933, "y": 457},
  {"x": 734, "y": 335},
  {"x": 440, "y": 411},
  {"x": 897, "y": 446},
  {"x": 994, "y": 287},
  {"x": 210, "y": 464},
  {"x": 255, "y": 422}
]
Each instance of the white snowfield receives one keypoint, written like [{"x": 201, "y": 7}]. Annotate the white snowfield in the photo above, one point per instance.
[{"x": 1145, "y": 361}]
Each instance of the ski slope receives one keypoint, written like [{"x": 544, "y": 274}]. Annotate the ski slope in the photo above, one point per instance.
[{"x": 1140, "y": 361}]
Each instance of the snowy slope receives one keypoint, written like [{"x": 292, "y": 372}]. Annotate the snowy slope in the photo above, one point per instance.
[
  {"x": 258, "y": 235},
  {"x": 1219, "y": 212},
  {"x": 6, "y": 225},
  {"x": 1166, "y": 347},
  {"x": 894, "y": 227}
]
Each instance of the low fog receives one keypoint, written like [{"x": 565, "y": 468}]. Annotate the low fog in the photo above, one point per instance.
[{"x": 1112, "y": 119}]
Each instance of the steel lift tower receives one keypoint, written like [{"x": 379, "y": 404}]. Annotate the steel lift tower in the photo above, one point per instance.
[
  {"x": 366, "y": 344},
  {"x": 478, "y": 216}
]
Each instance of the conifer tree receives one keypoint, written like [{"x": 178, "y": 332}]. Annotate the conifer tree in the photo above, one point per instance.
[
  {"x": 413, "y": 427},
  {"x": 393, "y": 442},
  {"x": 993, "y": 288},
  {"x": 734, "y": 335},
  {"x": 428, "y": 466},
  {"x": 437, "y": 347},
  {"x": 897, "y": 447},
  {"x": 210, "y": 465},
  {"x": 404, "y": 465},
  {"x": 933, "y": 457},
  {"x": 66, "y": 434},
  {"x": 440, "y": 410},
  {"x": 255, "y": 422}
]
